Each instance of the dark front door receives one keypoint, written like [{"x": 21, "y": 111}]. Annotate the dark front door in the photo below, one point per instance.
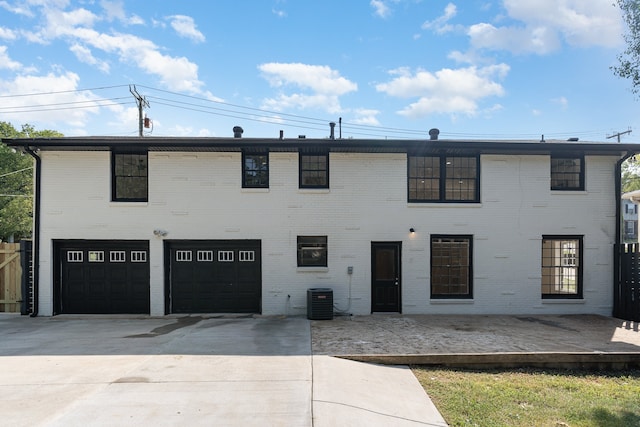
[{"x": 385, "y": 276}]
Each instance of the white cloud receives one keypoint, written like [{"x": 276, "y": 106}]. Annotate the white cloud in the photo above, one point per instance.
[
  {"x": 279, "y": 13},
  {"x": 176, "y": 73},
  {"x": 319, "y": 78},
  {"x": 48, "y": 108},
  {"x": 17, "y": 9},
  {"x": 449, "y": 91},
  {"x": 561, "y": 101},
  {"x": 380, "y": 8},
  {"x": 542, "y": 25},
  {"x": 186, "y": 27},
  {"x": 115, "y": 11},
  {"x": 540, "y": 40},
  {"x": 84, "y": 55},
  {"x": 440, "y": 24},
  {"x": 6, "y": 62},
  {"x": 7, "y": 34},
  {"x": 367, "y": 117},
  {"x": 326, "y": 86}
]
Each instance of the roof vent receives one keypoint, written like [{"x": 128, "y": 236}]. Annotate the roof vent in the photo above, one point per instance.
[
  {"x": 433, "y": 134},
  {"x": 573, "y": 139},
  {"x": 332, "y": 125},
  {"x": 237, "y": 132},
  {"x": 302, "y": 136}
]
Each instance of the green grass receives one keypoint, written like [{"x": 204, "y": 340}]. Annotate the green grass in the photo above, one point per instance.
[{"x": 531, "y": 397}]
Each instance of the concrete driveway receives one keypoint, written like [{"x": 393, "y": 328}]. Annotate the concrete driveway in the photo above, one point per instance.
[{"x": 194, "y": 371}]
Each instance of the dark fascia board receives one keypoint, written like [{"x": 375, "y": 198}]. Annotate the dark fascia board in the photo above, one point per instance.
[{"x": 418, "y": 147}]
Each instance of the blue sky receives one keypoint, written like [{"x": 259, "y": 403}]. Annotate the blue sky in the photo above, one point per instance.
[{"x": 477, "y": 69}]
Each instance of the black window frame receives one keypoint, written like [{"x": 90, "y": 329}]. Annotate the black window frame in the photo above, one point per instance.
[
  {"x": 557, "y": 183},
  {"x": 317, "y": 243},
  {"x": 304, "y": 170},
  {"x": 442, "y": 176},
  {"x": 562, "y": 268},
  {"x": 118, "y": 174},
  {"x": 451, "y": 268},
  {"x": 260, "y": 178}
]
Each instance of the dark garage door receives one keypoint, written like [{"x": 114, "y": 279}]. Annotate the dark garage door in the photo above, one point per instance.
[
  {"x": 101, "y": 277},
  {"x": 214, "y": 276}
]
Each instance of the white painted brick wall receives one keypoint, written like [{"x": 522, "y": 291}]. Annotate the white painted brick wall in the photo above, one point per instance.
[{"x": 199, "y": 196}]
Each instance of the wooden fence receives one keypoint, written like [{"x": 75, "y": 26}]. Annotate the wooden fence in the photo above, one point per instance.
[{"x": 10, "y": 278}]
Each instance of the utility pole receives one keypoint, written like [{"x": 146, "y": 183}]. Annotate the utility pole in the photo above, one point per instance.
[
  {"x": 142, "y": 102},
  {"x": 619, "y": 134}
]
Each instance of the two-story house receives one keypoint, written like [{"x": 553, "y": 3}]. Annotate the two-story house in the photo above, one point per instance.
[{"x": 246, "y": 225}]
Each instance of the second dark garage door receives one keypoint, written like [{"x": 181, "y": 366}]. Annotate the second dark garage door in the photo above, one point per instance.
[{"x": 213, "y": 276}]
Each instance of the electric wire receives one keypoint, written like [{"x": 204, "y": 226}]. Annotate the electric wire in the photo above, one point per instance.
[
  {"x": 15, "y": 172},
  {"x": 225, "y": 109}
]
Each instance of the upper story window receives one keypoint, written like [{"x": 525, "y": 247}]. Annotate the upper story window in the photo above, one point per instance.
[
  {"x": 567, "y": 173},
  {"x": 255, "y": 170},
  {"x": 451, "y": 271},
  {"x": 561, "y": 266},
  {"x": 314, "y": 170},
  {"x": 129, "y": 177},
  {"x": 443, "y": 179}
]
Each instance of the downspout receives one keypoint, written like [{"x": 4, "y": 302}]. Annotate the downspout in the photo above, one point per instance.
[{"x": 36, "y": 233}]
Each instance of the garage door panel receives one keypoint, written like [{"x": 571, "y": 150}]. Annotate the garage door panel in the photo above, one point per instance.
[
  {"x": 215, "y": 280},
  {"x": 99, "y": 277}
]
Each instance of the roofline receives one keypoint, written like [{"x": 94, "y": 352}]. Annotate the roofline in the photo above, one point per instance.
[{"x": 95, "y": 143}]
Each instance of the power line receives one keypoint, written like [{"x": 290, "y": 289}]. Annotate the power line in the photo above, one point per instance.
[
  {"x": 61, "y": 91},
  {"x": 224, "y": 109},
  {"x": 15, "y": 172}
]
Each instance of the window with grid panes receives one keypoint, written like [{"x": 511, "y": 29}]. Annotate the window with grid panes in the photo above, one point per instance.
[
  {"x": 255, "y": 170},
  {"x": 443, "y": 179},
  {"x": 129, "y": 177},
  {"x": 567, "y": 173},
  {"x": 562, "y": 267},
  {"x": 314, "y": 170},
  {"x": 451, "y": 267}
]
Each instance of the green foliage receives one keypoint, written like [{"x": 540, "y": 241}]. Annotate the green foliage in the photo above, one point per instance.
[
  {"x": 629, "y": 60},
  {"x": 630, "y": 175},
  {"x": 16, "y": 182}
]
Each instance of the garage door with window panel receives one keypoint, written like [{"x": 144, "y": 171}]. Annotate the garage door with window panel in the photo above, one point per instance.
[
  {"x": 213, "y": 276},
  {"x": 101, "y": 277}
]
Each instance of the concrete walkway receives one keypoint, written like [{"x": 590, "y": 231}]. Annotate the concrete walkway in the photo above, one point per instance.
[{"x": 105, "y": 371}]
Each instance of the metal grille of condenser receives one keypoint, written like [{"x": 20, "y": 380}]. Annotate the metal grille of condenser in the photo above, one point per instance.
[{"x": 320, "y": 303}]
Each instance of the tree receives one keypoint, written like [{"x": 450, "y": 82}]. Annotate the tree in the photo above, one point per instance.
[
  {"x": 629, "y": 67},
  {"x": 16, "y": 183}
]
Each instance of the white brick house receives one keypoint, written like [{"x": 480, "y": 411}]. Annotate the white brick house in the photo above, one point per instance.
[{"x": 193, "y": 225}]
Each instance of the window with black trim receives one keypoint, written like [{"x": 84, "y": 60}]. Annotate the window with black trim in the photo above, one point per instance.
[
  {"x": 314, "y": 170},
  {"x": 451, "y": 266},
  {"x": 561, "y": 266},
  {"x": 255, "y": 170},
  {"x": 312, "y": 251},
  {"x": 443, "y": 179},
  {"x": 129, "y": 177},
  {"x": 567, "y": 173}
]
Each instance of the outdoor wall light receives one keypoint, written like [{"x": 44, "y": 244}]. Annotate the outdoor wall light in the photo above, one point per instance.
[
  {"x": 160, "y": 233},
  {"x": 412, "y": 230}
]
